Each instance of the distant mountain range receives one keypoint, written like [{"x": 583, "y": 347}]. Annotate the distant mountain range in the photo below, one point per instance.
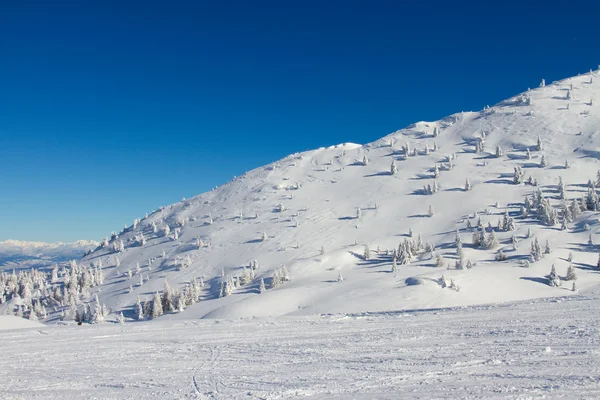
[{"x": 20, "y": 254}]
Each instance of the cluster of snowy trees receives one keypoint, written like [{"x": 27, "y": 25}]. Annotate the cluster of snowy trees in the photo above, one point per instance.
[
  {"x": 170, "y": 300},
  {"x": 62, "y": 289},
  {"x": 30, "y": 292}
]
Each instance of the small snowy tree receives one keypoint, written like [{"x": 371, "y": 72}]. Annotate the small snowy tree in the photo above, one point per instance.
[
  {"x": 499, "y": 152},
  {"x": 539, "y": 145},
  {"x": 571, "y": 276},
  {"x": 467, "y": 185},
  {"x": 543, "y": 161},
  {"x": 393, "y": 168},
  {"x": 340, "y": 278},
  {"x": 365, "y": 161},
  {"x": 367, "y": 253},
  {"x": 262, "y": 288},
  {"x": 430, "y": 212}
]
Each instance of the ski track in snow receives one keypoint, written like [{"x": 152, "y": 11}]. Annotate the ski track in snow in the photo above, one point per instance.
[{"x": 526, "y": 350}]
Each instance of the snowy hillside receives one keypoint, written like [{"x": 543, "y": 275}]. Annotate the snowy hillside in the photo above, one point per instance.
[
  {"x": 307, "y": 218},
  {"x": 17, "y": 253}
]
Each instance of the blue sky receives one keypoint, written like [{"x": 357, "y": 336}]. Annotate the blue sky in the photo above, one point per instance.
[{"x": 111, "y": 109}]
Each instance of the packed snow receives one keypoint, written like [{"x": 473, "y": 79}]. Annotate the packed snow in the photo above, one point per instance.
[{"x": 528, "y": 350}]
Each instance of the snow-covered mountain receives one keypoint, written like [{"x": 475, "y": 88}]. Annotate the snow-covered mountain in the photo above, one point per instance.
[
  {"x": 17, "y": 253},
  {"x": 310, "y": 215}
]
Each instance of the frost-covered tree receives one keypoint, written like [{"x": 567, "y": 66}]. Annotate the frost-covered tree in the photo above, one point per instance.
[
  {"x": 262, "y": 288},
  {"x": 393, "y": 168},
  {"x": 264, "y": 237},
  {"x": 571, "y": 275},
  {"x": 539, "y": 145},
  {"x": 439, "y": 260},
  {"x": 367, "y": 253},
  {"x": 553, "y": 278},
  {"x": 121, "y": 318},
  {"x": 543, "y": 83},
  {"x": 430, "y": 212},
  {"x": 528, "y": 154},
  {"x": 467, "y": 185},
  {"x": 340, "y": 278},
  {"x": 499, "y": 152},
  {"x": 543, "y": 161},
  {"x": 436, "y": 172},
  {"x": 518, "y": 176},
  {"x": 365, "y": 160},
  {"x": 157, "y": 309},
  {"x": 358, "y": 213},
  {"x": 536, "y": 251},
  {"x": 491, "y": 241},
  {"x": 567, "y": 164}
]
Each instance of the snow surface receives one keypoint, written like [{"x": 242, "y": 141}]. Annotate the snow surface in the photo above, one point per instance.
[
  {"x": 529, "y": 350},
  {"x": 10, "y": 322},
  {"x": 322, "y": 189}
]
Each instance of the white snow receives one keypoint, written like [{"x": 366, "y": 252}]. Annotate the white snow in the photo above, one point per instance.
[
  {"x": 491, "y": 352},
  {"x": 11, "y": 322}
]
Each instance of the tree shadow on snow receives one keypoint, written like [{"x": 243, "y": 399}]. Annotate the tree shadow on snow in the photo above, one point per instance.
[{"x": 536, "y": 279}]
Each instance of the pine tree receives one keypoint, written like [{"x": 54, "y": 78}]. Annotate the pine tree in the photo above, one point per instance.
[
  {"x": 430, "y": 212},
  {"x": 467, "y": 185},
  {"x": 499, "y": 152},
  {"x": 394, "y": 264},
  {"x": 543, "y": 161},
  {"x": 365, "y": 160},
  {"x": 367, "y": 253},
  {"x": 539, "y": 146},
  {"x": 157, "y": 309},
  {"x": 547, "y": 249},
  {"x": 518, "y": 176},
  {"x": 121, "y": 318},
  {"x": 262, "y": 288},
  {"x": 436, "y": 172},
  {"x": 393, "y": 168},
  {"x": 536, "y": 251},
  {"x": 571, "y": 276},
  {"x": 492, "y": 241},
  {"x": 440, "y": 261},
  {"x": 528, "y": 154}
]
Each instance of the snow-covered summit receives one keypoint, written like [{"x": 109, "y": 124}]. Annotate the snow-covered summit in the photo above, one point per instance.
[
  {"x": 314, "y": 217},
  {"x": 24, "y": 253}
]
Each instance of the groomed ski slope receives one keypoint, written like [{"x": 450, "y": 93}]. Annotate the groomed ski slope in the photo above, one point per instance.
[
  {"x": 321, "y": 190},
  {"x": 530, "y": 350}
]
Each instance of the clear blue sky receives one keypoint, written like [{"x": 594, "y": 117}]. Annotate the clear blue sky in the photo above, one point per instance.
[{"x": 109, "y": 109}]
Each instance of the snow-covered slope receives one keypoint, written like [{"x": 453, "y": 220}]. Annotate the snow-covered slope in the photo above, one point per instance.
[
  {"x": 308, "y": 201},
  {"x": 17, "y": 253}
]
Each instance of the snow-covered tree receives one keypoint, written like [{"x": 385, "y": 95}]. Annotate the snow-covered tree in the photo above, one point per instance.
[
  {"x": 393, "y": 168},
  {"x": 547, "y": 249},
  {"x": 367, "y": 253},
  {"x": 121, "y": 318},
  {"x": 365, "y": 161},
  {"x": 499, "y": 152},
  {"x": 539, "y": 145},
  {"x": 430, "y": 212},
  {"x": 358, "y": 213},
  {"x": 467, "y": 185},
  {"x": 571, "y": 275},
  {"x": 491, "y": 241},
  {"x": 536, "y": 251},
  {"x": 340, "y": 278},
  {"x": 553, "y": 278},
  {"x": 528, "y": 154},
  {"x": 262, "y": 288},
  {"x": 518, "y": 176},
  {"x": 157, "y": 309},
  {"x": 543, "y": 161}
]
